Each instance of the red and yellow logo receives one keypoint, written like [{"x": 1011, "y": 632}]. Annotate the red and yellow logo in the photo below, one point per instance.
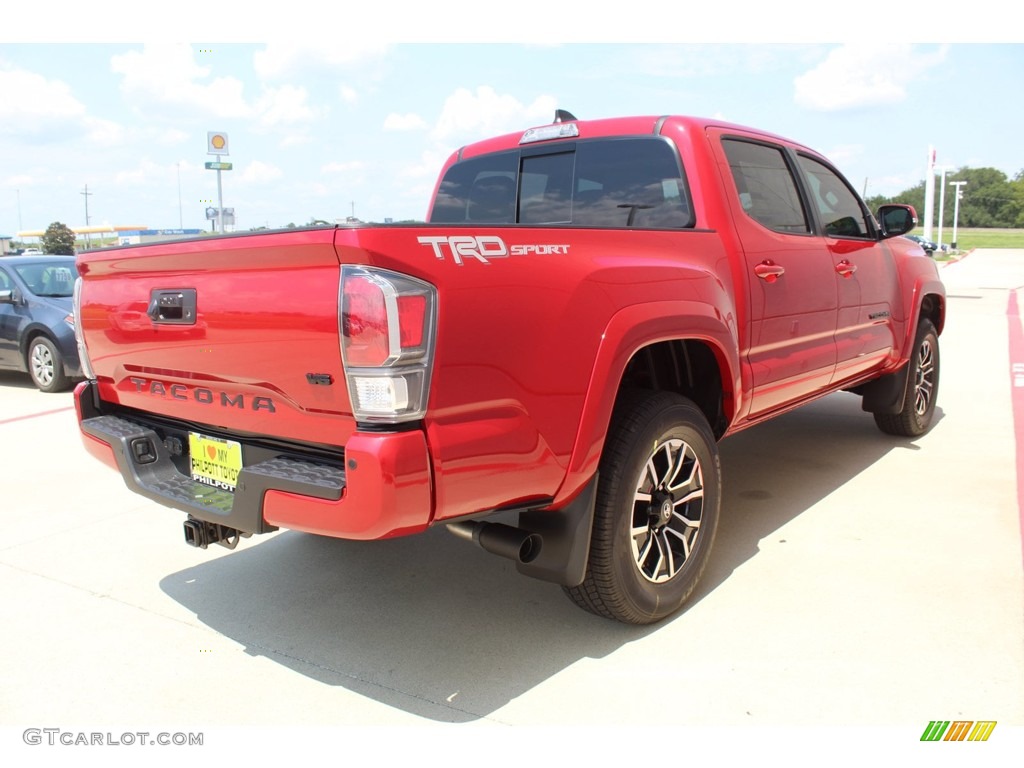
[{"x": 216, "y": 143}]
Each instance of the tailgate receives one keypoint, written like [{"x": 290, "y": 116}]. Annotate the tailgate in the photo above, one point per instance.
[{"x": 240, "y": 333}]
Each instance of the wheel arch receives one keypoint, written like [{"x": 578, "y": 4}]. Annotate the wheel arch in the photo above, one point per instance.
[
  {"x": 682, "y": 347},
  {"x": 927, "y": 300},
  {"x": 933, "y": 306},
  {"x": 30, "y": 334}
]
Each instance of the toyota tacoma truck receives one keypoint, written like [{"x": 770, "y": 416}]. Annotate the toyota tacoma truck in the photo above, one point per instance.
[{"x": 545, "y": 366}]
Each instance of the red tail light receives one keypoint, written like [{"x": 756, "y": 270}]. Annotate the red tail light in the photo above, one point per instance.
[
  {"x": 387, "y": 340},
  {"x": 364, "y": 322},
  {"x": 412, "y": 315}
]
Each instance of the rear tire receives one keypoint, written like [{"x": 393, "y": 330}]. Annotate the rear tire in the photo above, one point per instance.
[
  {"x": 658, "y": 498},
  {"x": 922, "y": 388}
]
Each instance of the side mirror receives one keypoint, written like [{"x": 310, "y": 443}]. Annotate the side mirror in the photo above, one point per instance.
[
  {"x": 6, "y": 297},
  {"x": 897, "y": 219}
]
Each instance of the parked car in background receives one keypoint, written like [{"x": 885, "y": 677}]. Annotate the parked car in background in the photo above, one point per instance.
[
  {"x": 37, "y": 333},
  {"x": 929, "y": 247}
]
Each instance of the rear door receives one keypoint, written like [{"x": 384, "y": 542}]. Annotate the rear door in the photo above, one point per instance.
[{"x": 790, "y": 275}]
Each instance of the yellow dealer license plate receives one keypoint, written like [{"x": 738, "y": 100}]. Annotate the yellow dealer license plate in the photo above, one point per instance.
[{"x": 215, "y": 462}]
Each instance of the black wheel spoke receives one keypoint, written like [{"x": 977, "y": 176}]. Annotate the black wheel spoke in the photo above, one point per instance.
[{"x": 662, "y": 540}]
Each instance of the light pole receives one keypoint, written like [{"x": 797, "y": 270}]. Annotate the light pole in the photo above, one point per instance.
[
  {"x": 86, "y": 193},
  {"x": 942, "y": 201},
  {"x": 956, "y": 207},
  {"x": 217, "y": 144},
  {"x": 929, "y": 194},
  {"x": 181, "y": 217}
]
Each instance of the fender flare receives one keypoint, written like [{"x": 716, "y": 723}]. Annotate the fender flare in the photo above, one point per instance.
[
  {"x": 923, "y": 287},
  {"x": 629, "y": 330}
]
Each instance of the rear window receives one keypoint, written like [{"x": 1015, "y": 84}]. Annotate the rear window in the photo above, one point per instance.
[
  {"x": 49, "y": 278},
  {"x": 626, "y": 182}
]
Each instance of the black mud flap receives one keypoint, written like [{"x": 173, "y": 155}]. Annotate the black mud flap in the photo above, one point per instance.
[
  {"x": 885, "y": 394},
  {"x": 566, "y": 535}
]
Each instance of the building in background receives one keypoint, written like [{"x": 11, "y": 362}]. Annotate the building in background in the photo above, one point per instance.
[{"x": 142, "y": 236}]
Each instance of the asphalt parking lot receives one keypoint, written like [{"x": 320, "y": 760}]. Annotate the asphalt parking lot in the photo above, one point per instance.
[{"x": 859, "y": 582}]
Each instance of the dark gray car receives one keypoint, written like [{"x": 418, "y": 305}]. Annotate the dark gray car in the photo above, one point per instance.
[{"x": 37, "y": 333}]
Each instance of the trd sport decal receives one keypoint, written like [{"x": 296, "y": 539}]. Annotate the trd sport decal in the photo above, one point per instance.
[{"x": 483, "y": 248}]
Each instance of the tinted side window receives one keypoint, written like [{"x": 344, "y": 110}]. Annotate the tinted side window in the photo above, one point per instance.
[
  {"x": 841, "y": 212},
  {"x": 629, "y": 183},
  {"x": 482, "y": 189},
  {"x": 766, "y": 187}
]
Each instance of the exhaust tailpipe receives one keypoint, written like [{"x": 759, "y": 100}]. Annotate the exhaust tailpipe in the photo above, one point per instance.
[{"x": 500, "y": 539}]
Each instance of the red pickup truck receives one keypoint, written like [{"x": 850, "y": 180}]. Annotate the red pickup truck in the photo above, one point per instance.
[{"x": 545, "y": 367}]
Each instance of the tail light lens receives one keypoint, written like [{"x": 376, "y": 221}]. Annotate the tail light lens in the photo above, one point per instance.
[
  {"x": 387, "y": 323},
  {"x": 76, "y": 314}
]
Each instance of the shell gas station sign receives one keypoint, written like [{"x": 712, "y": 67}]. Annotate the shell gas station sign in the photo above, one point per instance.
[{"x": 216, "y": 143}]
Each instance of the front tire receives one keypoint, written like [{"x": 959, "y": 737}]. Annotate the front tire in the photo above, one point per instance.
[
  {"x": 658, "y": 498},
  {"x": 46, "y": 365},
  {"x": 922, "y": 388}
]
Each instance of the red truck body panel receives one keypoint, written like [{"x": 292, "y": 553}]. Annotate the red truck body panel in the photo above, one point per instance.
[{"x": 535, "y": 329}]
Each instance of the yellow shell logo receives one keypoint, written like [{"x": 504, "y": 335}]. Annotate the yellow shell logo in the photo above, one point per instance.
[{"x": 218, "y": 142}]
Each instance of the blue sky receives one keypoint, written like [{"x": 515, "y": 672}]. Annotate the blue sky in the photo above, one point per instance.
[{"x": 337, "y": 123}]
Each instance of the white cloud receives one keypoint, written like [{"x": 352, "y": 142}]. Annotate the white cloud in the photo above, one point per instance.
[
  {"x": 285, "y": 59},
  {"x": 22, "y": 179},
  {"x": 406, "y": 122},
  {"x": 48, "y": 112},
  {"x": 295, "y": 140},
  {"x": 348, "y": 94},
  {"x": 171, "y": 136},
  {"x": 428, "y": 167},
  {"x": 355, "y": 165},
  {"x": 467, "y": 116},
  {"x": 258, "y": 172},
  {"x": 105, "y": 132},
  {"x": 286, "y": 105},
  {"x": 844, "y": 154},
  {"x": 144, "y": 172},
  {"x": 168, "y": 74},
  {"x": 38, "y": 98},
  {"x": 858, "y": 75}
]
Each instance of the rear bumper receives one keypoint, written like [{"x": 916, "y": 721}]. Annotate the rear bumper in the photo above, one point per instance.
[{"x": 383, "y": 489}]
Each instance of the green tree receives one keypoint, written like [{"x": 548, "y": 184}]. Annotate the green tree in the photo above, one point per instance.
[
  {"x": 58, "y": 238},
  {"x": 1017, "y": 185},
  {"x": 989, "y": 198}
]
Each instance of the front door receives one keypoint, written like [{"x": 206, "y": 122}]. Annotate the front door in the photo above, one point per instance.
[
  {"x": 867, "y": 279},
  {"x": 789, "y": 273}
]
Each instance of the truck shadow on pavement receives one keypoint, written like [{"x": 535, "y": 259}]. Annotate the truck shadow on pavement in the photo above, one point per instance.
[{"x": 436, "y": 627}]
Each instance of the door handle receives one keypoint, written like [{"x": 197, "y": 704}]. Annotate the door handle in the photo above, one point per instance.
[
  {"x": 845, "y": 268},
  {"x": 769, "y": 271},
  {"x": 173, "y": 307}
]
